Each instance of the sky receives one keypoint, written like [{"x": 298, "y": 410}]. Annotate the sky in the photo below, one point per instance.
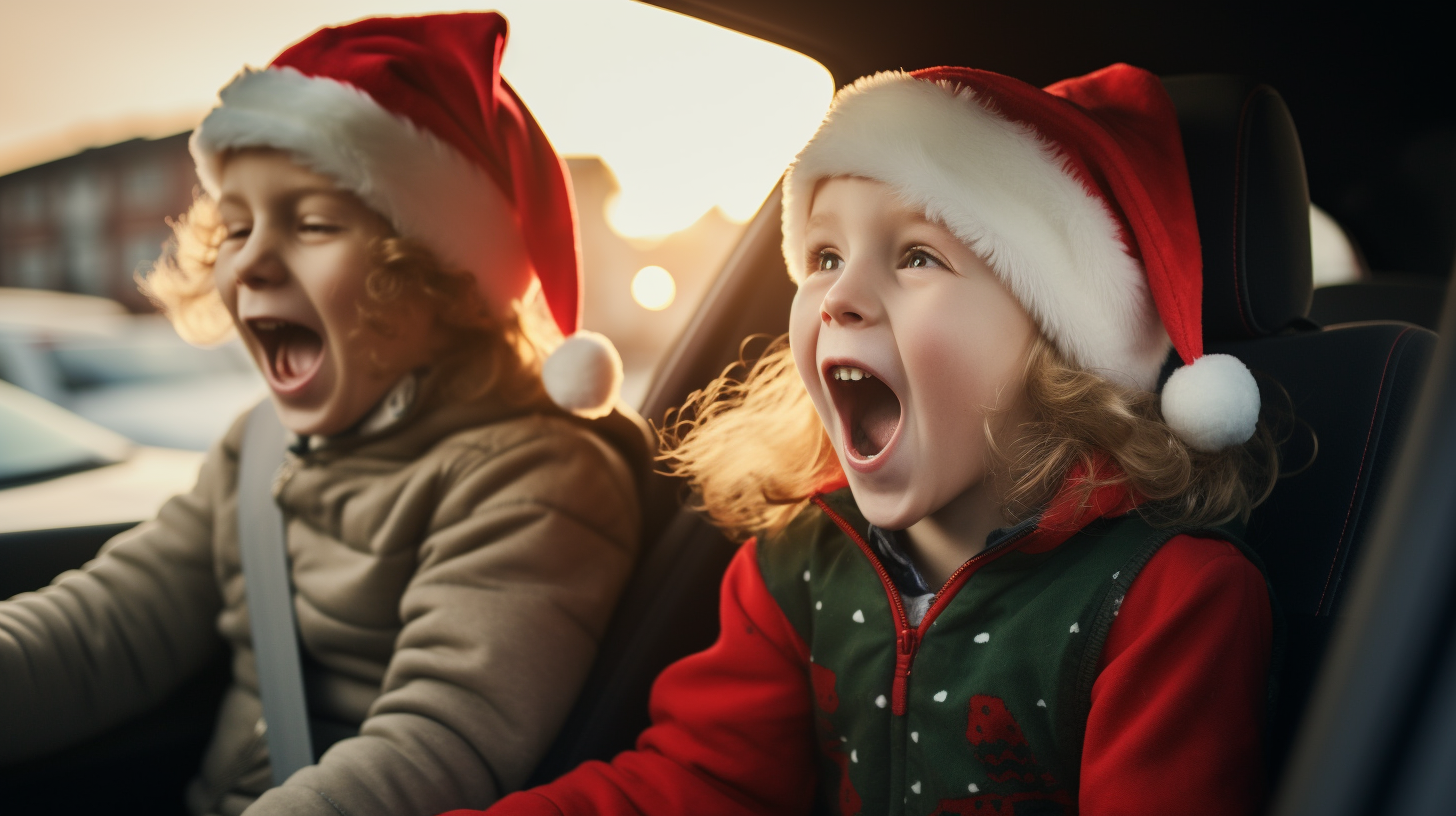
[{"x": 688, "y": 115}]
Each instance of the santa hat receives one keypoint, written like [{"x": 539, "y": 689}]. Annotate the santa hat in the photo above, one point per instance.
[
  {"x": 413, "y": 116},
  {"x": 1076, "y": 195}
]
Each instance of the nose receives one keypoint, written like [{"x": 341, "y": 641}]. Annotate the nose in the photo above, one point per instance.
[
  {"x": 851, "y": 300},
  {"x": 259, "y": 265}
]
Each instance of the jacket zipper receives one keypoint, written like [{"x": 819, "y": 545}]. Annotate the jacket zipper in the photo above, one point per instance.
[{"x": 907, "y": 639}]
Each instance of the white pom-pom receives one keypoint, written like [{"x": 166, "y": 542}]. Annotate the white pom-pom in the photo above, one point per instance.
[
  {"x": 584, "y": 375},
  {"x": 1213, "y": 403}
]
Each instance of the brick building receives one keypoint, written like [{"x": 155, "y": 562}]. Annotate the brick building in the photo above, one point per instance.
[{"x": 87, "y": 223}]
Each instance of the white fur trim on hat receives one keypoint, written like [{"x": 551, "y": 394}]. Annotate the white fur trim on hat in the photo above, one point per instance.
[
  {"x": 426, "y": 188},
  {"x": 1007, "y": 194},
  {"x": 584, "y": 375},
  {"x": 1213, "y": 403}
]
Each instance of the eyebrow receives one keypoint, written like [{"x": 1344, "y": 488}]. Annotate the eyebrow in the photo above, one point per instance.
[
  {"x": 819, "y": 219},
  {"x": 915, "y": 217},
  {"x": 308, "y": 191},
  {"x": 921, "y": 217},
  {"x": 292, "y": 195}
]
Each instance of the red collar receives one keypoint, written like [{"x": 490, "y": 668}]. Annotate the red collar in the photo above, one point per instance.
[{"x": 1081, "y": 500}]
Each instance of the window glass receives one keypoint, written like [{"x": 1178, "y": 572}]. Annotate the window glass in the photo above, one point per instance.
[{"x": 675, "y": 129}]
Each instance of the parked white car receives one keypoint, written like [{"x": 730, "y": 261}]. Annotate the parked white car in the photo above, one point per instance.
[
  {"x": 58, "y": 470},
  {"x": 129, "y": 373}
]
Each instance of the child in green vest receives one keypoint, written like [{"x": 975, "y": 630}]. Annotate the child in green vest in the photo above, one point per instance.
[{"x": 991, "y": 572}]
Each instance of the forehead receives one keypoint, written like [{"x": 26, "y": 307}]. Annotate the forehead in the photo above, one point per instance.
[
  {"x": 267, "y": 168},
  {"x": 840, "y": 199}
]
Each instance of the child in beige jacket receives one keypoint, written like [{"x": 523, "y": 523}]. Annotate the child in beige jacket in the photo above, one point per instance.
[{"x": 381, "y": 214}]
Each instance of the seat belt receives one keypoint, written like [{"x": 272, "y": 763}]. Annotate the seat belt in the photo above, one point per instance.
[{"x": 269, "y": 594}]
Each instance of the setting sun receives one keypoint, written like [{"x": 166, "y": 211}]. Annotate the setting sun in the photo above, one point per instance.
[{"x": 653, "y": 288}]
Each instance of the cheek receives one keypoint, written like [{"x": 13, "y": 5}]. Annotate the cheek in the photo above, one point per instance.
[
  {"x": 950, "y": 391},
  {"x": 226, "y": 283},
  {"x": 339, "y": 287},
  {"x": 804, "y": 326},
  {"x": 965, "y": 361}
]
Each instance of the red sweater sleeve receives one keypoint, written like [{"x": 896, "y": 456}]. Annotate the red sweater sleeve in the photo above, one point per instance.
[
  {"x": 732, "y": 729},
  {"x": 1177, "y": 710}
]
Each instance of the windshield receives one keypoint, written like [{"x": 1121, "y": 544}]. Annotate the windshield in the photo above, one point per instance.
[{"x": 39, "y": 440}]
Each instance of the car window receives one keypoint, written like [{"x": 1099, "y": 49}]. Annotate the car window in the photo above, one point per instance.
[
  {"x": 39, "y": 440},
  {"x": 673, "y": 129}
]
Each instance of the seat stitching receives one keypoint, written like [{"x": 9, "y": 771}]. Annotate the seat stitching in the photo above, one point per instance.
[
  {"x": 1238, "y": 178},
  {"x": 1364, "y": 453}
]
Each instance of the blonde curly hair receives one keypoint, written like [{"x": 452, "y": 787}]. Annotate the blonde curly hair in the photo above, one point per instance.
[{"x": 754, "y": 451}]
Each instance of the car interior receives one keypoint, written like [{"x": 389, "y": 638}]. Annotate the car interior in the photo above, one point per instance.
[{"x": 1363, "y": 717}]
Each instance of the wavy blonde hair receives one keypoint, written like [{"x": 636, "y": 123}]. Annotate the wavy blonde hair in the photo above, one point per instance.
[
  {"x": 484, "y": 353},
  {"x": 754, "y": 451}
]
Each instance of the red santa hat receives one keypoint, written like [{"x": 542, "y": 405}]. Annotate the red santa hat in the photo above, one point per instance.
[
  {"x": 1077, "y": 196},
  {"x": 412, "y": 115}
]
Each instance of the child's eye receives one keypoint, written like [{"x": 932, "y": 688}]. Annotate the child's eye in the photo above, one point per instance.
[
  {"x": 238, "y": 232},
  {"x": 921, "y": 259},
  {"x": 321, "y": 227},
  {"x": 826, "y": 261}
]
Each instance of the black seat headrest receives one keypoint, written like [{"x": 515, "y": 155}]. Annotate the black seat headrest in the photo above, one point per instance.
[{"x": 1252, "y": 201}]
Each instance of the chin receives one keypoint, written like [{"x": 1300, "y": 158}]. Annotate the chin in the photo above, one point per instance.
[
  {"x": 886, "y": 509},
  {"x": 330, "y": 405},
  {"x": 309, "y": 421}
]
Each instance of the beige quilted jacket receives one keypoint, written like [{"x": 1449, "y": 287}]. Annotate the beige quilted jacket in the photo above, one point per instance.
[{"x": 454, "y": 574}]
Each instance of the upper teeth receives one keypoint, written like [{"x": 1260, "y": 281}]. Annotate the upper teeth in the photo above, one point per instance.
[
  {"x": 269, "y": 325},
  {"x": 850, "y": 373}
]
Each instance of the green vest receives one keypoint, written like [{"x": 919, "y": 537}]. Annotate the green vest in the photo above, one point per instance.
[{"x": 983, "y": 708}]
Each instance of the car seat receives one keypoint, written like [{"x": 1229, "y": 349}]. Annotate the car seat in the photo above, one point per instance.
[
  {"x": 1412, "y": 298},
  {"x": 1380, "y": 733},
  {"x": 670, "y": 606},
  {"x": 1350, "y": 388}
]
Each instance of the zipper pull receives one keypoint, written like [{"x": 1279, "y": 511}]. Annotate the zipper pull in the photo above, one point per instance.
[
  {"x": 905, "y": 646},
  {"x": 908, "y": 642}
]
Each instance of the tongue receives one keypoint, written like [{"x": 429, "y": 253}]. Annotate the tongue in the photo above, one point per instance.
[
  {"x": 297, "y": 354},
  {"x": 877, "y": 419}
]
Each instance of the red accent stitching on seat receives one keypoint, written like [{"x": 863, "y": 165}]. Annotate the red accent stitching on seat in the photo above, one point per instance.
[
  {"x": 1363, "y": 454},
  {"x": 1238, "y": 156}
]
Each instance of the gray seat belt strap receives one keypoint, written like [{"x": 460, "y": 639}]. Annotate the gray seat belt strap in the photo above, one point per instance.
[{"x": 270, "y": 595}]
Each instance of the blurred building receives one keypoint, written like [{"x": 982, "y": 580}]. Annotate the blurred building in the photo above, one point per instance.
[
  {"x": 88, "y": 223},
  {"x": 691, "y": 256}
]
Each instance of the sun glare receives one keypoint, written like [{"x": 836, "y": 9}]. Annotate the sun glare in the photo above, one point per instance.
[
  {"x": 653, "y": 288},
  {"x": 689, "y": 116}
]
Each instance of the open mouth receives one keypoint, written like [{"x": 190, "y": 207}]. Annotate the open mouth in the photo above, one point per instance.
[
  {"x": 292, "y": 351},
  {"x": 869, "y": 408}
]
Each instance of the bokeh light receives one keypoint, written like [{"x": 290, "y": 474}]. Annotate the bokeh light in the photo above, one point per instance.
[
  {"x": 653, "y": 288},
  {"x": 689, "y": 116}
]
